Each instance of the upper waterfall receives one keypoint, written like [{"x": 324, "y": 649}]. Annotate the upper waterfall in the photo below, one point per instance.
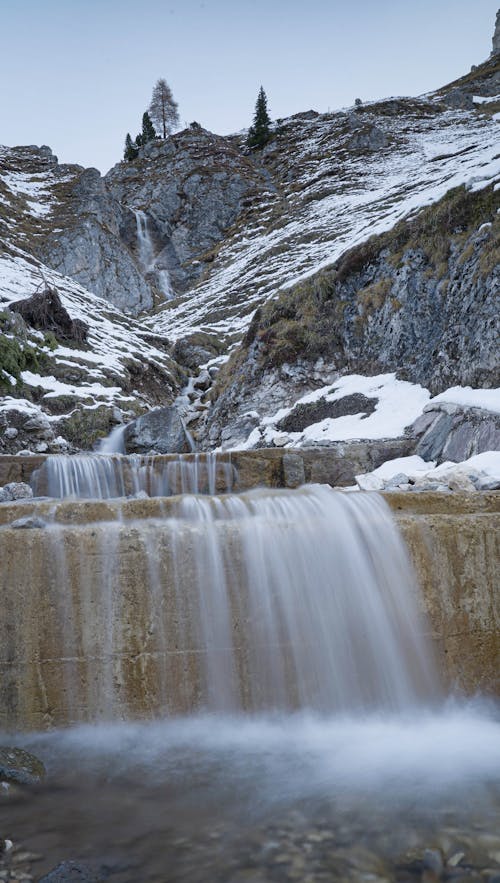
[{"x": 147, "y": 254}]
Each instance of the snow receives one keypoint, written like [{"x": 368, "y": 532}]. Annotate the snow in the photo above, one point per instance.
[
  {"x": 84, "y": 390},
  {"x": 480, "y": 468},
  {"x": 399, "y": 403},
  {"x": 487, "y": 399},
  {"x": 24, "y": 406},
  {"x": 481, "y": 99},
  {"x": 412, "y": 466}
]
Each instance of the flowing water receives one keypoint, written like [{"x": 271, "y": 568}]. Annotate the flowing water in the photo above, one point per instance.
[
  {"x": 147, "y": 254},
  {"x": 108, "y": 474},
  {"x": 321, "y": 747}
]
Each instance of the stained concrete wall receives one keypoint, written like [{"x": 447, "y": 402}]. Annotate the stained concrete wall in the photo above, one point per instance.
[{"x": 79, "y": 637}]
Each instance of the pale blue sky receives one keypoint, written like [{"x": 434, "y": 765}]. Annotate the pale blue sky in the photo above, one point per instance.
[{"x": 78, "y": 74}]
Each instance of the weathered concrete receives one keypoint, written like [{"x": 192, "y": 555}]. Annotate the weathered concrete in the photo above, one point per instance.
[{"x": 56, "y": 641}]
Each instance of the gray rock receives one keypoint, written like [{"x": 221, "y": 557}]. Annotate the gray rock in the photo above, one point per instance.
[
  {"x": 293, "y": 470},
  {"x": 19, "y": 490},
  {"x": 11, "y": 432},
  {"x": 423, "y": 422},
  {"x": 161, "y": 430},
  {"x": 368, "y": 138},
  {"x": 459, "y": 434},
  {"x": 29, "y": 522},
  {"x": 75, "y": 872},
  {"x": 396, "y": 480},
  {"x": 20, "y": 767},
  {"x": 5, "y": 496},
  {"x": 433, "y": 441},
  {"x": 457, "y": 99},
  {"x": 203, "y": 381},
  {"x": 37, "y": 423},
  {"x": 460, "y": 443},
  {"x": 485, "y": 483}
]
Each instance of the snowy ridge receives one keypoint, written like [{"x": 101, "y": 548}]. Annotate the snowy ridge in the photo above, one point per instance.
[{"x": 330, "y": 196}]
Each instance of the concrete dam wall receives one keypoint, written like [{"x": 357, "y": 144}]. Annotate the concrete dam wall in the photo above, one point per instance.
[{"x": 104, "y": 611}]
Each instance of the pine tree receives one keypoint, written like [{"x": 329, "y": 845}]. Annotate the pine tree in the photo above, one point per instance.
[
  {"x": 163, "y": 110},
  {"x": 260, "y": 133},
  {"x": 148, "y": 130},
  {"x": 131, "y": 150}
]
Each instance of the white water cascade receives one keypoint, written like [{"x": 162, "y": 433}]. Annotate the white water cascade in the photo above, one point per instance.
[
  {"x": 266, "y": 601},
  {"x": 108, "y": 474},
  {"x": 146, "y": 253}
]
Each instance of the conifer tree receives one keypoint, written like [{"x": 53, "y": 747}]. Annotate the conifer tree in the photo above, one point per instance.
[
  {"x": 131, "y": 150},
  {"x": 260, "y": 132},
  {"x": 163, "y": 110},
  {"x": 148, "y": 130}
]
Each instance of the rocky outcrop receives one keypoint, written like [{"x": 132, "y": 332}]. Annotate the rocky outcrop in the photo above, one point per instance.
[
  {"x": 86, "y": 244},
  {"x": 67, "y": 217},
  {"x": 192, "y": 187},
  {"x": 45, "y": 312},
  {"x": 453, "y": 432}
]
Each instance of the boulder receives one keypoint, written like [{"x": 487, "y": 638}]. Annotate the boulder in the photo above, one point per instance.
[
  {"x": 20, "y": 767},
  {"x": 15, "y": 490},
  {"x": 456, "y": 433},
  {"x": 29, "y": 522},
  {"x": 456, "y": 99},
  {"x": 368, "y": 138},
  {"x": 161, "y": 430}
]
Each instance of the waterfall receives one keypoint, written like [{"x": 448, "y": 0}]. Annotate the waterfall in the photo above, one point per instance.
[
  {"x": 146, "y": 253},
  {"x": 265, "y": 601},
  {"x": 105, "y": 475},
  {"x": 114, "y": 443},
  {"x": 144, "y": 241}
]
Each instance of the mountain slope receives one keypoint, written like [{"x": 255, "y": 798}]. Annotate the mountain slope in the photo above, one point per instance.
[
  {"x": 420, "y": 300},
  {"x": 337, "y": 180}
]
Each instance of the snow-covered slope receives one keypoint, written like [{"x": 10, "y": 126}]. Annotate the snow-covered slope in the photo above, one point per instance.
[
  {"x": 120, "y": 370},
  {"x": 338, "y": 179}
]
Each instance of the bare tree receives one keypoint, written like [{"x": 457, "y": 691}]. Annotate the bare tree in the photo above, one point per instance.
[{"x": 163, "y": 108}]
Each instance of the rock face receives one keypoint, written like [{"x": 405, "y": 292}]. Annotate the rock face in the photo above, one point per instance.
[
  {"x": 71, "y": 222},
  {"x": 496, "y": 36},
  {"x": 192, "y": 188},
  {"x": 88, "y": 246},
  {"x": 409, "y": 301}
]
